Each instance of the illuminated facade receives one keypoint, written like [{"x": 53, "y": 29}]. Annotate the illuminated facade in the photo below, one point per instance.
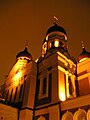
[{"x": 56, "y": 87}]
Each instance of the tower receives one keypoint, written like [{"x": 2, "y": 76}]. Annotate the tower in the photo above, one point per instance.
[
  {"x": 56, "y": 74},
  {"x": 20, "y": 84},
  {"x": 84, "y": 71}
]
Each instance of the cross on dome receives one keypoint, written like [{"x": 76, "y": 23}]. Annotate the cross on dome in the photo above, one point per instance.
[
  {"x": 55, "y": 20},
  {"x": 83, "y": 46},
  {"x": 27, "y": 43}
]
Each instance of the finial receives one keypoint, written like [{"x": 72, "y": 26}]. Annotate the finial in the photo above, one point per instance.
[
  {"x": 27, "y": 42},
  {"x": 83, "y": 46},
  {"x": 55, "y": 20}
]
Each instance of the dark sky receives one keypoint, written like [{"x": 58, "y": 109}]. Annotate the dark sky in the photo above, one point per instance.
[{"x": 22, "y": 20}]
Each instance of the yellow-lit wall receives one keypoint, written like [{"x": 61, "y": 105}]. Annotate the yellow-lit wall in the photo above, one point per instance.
[
  {"x": 83, "y": 70},
  {"x": 8, "y": 112}
]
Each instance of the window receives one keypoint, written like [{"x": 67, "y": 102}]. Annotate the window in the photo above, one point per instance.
[
  {"x": 45, "y": 46},
  {"x": 70, "y": 86},
  {"x": 44, "y": 85},
  {"x": 56, "y": 43},
  {"x": 50, "y": 84},
  {"x": 21, "y": 88},
  {"x": 62, "y": 37},
  {"x": 3, "y": 93},
  {"x": 7, "y": 95},
  {"x": 15, "y": 94},
  {"x": 61, "y": 44},
  {"x": 80, "y": 115},
  {"x": 49, "y": 68},
  {"x": 52, "y": 43},
  {"x": 43, "y": 89},
  {"x": 50, "y": 77},
  {"x": 67, "y": 116},
  {"x": 11, "y": 95}
]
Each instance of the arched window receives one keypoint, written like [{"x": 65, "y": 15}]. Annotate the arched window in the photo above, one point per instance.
[
  {"x": 80, "y": 115},
  {"x": 67, "y": 116},
  {"x": 15, "y": 93},
  {"x": 56, "y": 43},
  {"x": 61, "y": 44},
  {"x": 52, "y": 44},
  {"x": 20, "y": 94},
  {"x": 11, "y": 95},
  {"x": 7, "y": 95},
  {"x": 70, "y": 86}
]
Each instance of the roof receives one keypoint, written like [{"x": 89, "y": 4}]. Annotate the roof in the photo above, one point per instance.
[
  {"x": 84, "y": 54},
  {"x": 24, "y": 53},
  {"x": 56, "y": 28}
]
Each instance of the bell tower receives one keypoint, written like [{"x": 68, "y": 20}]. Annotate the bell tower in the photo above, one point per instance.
[{"x": 56, "y": 37}]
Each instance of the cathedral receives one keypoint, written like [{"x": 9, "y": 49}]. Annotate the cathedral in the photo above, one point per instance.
[{"x": 54, "y": 87}]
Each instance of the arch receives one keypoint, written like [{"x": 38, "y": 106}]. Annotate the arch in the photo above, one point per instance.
[
  {"x": 41, "y": 118},
  {"x": 88, "y": 115},
  {"x": 67, "y": 116},
  {"x": 80, "y": 115}
]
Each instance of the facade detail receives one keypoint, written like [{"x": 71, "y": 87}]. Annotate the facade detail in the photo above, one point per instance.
[{"x": 56, "y": 87}]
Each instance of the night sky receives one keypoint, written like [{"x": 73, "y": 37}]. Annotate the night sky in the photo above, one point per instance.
[{"x": 22, "y": 20}]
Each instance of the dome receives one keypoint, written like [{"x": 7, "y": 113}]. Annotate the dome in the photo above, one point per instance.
[
  {"x": 56, "y": 37},
  {"x": 56, "y": 28},
  {"x": 84, "y": 55},
  {"x": 24, "y": 53}
]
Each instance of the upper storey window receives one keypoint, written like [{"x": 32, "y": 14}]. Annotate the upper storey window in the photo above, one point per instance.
[
  {"x": 56, "y": 43},
  {"x": 55, "y": 40},
  {"x": 44, "y": 86},
  {"x": 45, "y": 46},
  {"x": 51, "y": 44}
]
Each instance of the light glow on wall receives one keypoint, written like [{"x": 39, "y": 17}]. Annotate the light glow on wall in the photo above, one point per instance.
[
  {"x": 61, "y": 84},
  {"x": 17, "y": 73},
  {"x": 62, "y": 96},
  {"x": 16, "y": 78},
  {"x": 82, "y": 59}
]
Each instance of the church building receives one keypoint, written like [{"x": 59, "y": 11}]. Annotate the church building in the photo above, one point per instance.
[{"x": 55, "y": 87}]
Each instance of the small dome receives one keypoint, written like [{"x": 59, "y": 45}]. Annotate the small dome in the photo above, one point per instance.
[
  {"x": 24, "y": 53},
  {"x": 84, "y": 55},
  {"x": 56, "y": 28}
]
